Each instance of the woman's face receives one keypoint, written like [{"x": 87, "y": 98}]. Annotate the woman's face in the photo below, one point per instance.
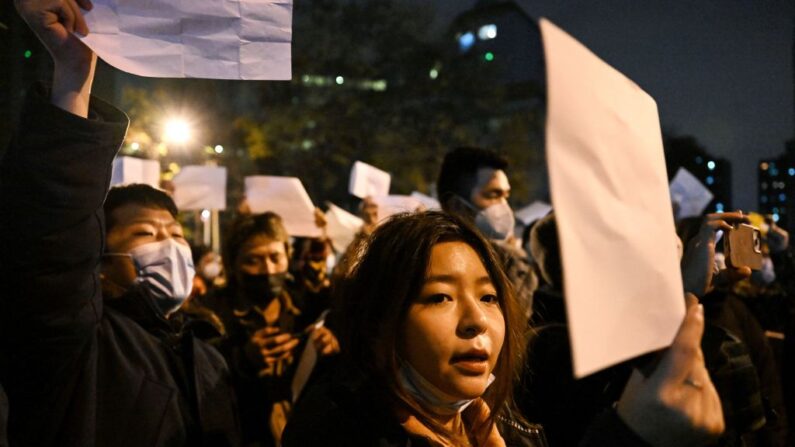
[{"x": 454, "y": 329}]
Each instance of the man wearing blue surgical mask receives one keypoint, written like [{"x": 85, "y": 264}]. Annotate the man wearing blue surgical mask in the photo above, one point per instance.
[
  {"x": 92, "y": 352},
  {"x": 473, "y": 183},
  {"x": 145, "y": 248}
]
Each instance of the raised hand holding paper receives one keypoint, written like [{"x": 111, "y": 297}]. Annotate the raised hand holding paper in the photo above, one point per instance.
[
  {"x": 624, "y": 294},
  {"x": 218, "y": 39}
]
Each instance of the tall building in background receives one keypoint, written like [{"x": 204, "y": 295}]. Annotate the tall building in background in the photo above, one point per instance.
[
  {"x": 502, "y": 33},
  {"x": 776, "y": 177},
  {"x": 777, "y": 187}
]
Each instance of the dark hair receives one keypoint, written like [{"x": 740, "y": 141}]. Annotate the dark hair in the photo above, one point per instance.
[
  {"x": 245, "y": 227},
  {"x": 374, "y": 300},
  {"x": 458, "y": 174},
  {"x": 545, "y": 249},
  {"x": 138, "y": 194}
]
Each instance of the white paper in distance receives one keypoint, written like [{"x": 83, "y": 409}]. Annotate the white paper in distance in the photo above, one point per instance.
[
  {"x": 390, "y": 205},
  {"x": 429, "y": 202},
  {"x": 218, "y": 39},
  {"x": 624, "y": 294},
  {"x": 200, "y": 188},
  {"x": 129, "y": 170},
  {"x": 533, "y": 212},
  {"x": 368, "y": 181},
  {"x": 690, "y": 195},
  {"x": 286, "y": 197},
  {"x": 341, "y": 227}
]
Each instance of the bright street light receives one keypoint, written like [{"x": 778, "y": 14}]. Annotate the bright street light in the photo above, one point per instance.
[{"x": 177, "y": 130}]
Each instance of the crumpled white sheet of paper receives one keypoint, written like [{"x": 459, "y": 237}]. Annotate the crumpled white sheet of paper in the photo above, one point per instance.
[
  {"x": 217, "y": 39},
  {"x": 286, "y": 197},
  {"x": 623, "y": 287}
]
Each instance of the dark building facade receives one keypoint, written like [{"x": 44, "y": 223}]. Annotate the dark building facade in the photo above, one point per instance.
[{"x": 777, "y": 187}]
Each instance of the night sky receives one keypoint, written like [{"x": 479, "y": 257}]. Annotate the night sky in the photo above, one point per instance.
[{"x": 721, "y": 71}]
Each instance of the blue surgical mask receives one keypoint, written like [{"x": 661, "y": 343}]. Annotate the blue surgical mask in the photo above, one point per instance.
[
  {"x": 165, "y": 269},
  {"x": 429, "y": 395}
]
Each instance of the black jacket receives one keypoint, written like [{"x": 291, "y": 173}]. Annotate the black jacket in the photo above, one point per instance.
[
  {"x": 344, "y": 409},
  {"x": 79, "y": 371}
]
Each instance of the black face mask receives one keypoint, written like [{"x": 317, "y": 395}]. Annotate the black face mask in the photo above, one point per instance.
[{"x": 263, "y": 288}]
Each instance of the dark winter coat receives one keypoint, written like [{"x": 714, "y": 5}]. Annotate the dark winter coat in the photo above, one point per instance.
[{"x": 79, "y": 371}]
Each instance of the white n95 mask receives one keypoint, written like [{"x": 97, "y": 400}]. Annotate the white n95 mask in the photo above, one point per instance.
[
  {"x": 496, "y": 222},
  {"x": 165, "y": 269}
]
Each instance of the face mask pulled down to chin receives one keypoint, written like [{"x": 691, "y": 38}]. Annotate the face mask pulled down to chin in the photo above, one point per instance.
[{"x": 165, "y": 269}]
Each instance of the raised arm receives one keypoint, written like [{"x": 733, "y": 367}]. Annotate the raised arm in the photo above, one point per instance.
[
  {"x": 54, "y": 22},
  {"x": 53, "y": 180}
]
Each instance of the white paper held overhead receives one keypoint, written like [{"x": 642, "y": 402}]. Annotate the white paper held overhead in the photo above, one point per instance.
[
  {"x": 217, "y": 39},
  {"x": 689, "y": 194},
  {"x": 624, "y": 294},
  {"x": 129, "y": 170},
  {"x": 200, "y": 188},
  {"x": 286, "y": 197},
  {"x": 342, "y": 227},
  {"x": 368, "y": 181}
]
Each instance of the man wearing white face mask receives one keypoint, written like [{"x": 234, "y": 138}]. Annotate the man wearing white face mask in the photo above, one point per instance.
[
  {"x": 473, "y": 183},
  {"x": 91, "y": 352}
]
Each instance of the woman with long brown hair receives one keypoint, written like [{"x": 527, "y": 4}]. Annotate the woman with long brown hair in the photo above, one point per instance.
[{"x": 431, "y": 340}]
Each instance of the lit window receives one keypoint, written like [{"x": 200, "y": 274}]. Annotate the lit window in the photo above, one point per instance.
[
  {"x": 466, "y": 41},
  {"x": 782, "y": 197},
  {"x": 487, "y": 32},
  {"x": 489, "y": 56},
  {"x": 434, "y": 73},
  {"x": 718, "y": 207},
  {"x": 710, "y": 165},
  {"x": 773, "y": 171},
  {"x": 775, "y": 217},
  {"x": 791, "y": 172},
  {"x": 710, "y": 180}
]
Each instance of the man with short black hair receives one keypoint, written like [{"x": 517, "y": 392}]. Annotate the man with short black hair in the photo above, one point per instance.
[{"x": 473, "y": 183}]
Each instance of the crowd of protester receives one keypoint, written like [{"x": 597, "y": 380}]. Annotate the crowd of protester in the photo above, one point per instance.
[{"x": 434, "y": 328}]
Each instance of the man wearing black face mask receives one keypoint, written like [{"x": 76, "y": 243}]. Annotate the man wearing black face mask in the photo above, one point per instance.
[
  {"x": 89, "y": 352},
  {"x": 267, "y": 314},
  {"x": 472, "y": 183}
]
